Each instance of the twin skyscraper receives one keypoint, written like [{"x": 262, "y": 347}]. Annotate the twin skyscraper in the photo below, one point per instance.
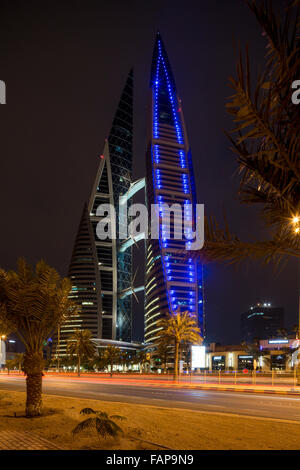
[{"x": 101, "y": 270}]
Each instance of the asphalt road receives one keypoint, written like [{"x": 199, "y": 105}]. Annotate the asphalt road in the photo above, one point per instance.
[{"x": 268, "y": 406}]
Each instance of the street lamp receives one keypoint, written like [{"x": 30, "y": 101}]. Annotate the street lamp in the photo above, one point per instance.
[
  {"x": 295, "y": 222},
  {"x": 2, "y": 348}
]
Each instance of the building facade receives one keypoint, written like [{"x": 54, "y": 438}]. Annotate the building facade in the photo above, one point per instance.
[
  {"x": 261, "y": 321},
  {"x": 173, "y": 280},
  {"x": 99, "y": 270},
  {"x": 278, "y": 354},
  {"x": 228, "y": 358}
]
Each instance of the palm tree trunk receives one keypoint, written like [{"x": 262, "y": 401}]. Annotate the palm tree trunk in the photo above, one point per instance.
[
  {"x": 78, "y": 367},
  {"x": 34, "y": 395},
  {"x": 176, "y": 360},
  {"x": 33, "y": 367}
]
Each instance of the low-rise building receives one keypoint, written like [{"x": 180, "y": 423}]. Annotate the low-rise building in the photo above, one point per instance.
[
  {"x": 279, "y": 353},
  {"x": 229, "y": 357},
  {"x": 267, "y": 355}
]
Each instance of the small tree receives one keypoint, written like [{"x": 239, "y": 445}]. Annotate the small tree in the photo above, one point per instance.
[
  {"x": 180, "y": 327},
  {"x": 125, "y": 359},
  {"x": 80, "y": 345},
  {"x": 98, "y": 360},
  {"x": 103, "y": 424},
  {"x": 112, "y": 357},
  {"x": 16, "y": 362},
  {"x": 282, "y": 332},
  {"x": 163, "y": 347},
  {"x": 141, "y": 358},
  {"x": 10, "y": 365},
  {"x": 32, "y": 304},
  {"x": 19, "y": 361},
  {"x": 295, "y": 330},
  {"x": 68, "y": 361}
]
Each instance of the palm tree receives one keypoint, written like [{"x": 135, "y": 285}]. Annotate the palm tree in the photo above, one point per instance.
[
  {"x": 80, "y": 346},
  {"x": 141, "y": 358},
  {"x": 98, "y": 360},
  {"x": 19, "y": 361},
  {"x": 32, "y": 303},
  {"x": 266, "y": 142},
  {"x": 295, "y": 329},
  {"x": 10, "y": 364},
  {"x": 162, "y": 350},
  {"x": 112, "y": 357},
  {"x": 101, "y": 422},
  {"x": 125, "y": 359},
  {"x": 67, "y": 361},
  {"x": 180, "y": 327},
  {"x": 16, "y": 362},
  {"x": 282, "y": 332}
]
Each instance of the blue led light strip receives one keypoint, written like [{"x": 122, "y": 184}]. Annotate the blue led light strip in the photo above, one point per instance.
[{"x": 173, "y": 296}]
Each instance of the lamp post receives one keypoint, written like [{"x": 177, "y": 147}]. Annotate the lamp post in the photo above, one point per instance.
[
  {"x": 296, "y": 230},
  {"x": 3, "y": 348}
]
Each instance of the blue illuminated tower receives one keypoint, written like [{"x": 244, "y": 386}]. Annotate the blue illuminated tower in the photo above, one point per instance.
[{"x": 173, "y": 279}]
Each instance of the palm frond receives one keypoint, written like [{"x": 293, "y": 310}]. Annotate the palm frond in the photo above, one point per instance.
[
  {"x": 33, "y": 302},
  {"x": 266, "y": 142},
  {"x": 86, "y": 425},
  {"x": 121, "y": 418},
  {"x": 87, "y": 411},
  {"x": 106, "y": 427}
]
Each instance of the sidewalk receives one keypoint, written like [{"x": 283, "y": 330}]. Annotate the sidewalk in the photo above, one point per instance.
[{"x": 14, "y": 440}]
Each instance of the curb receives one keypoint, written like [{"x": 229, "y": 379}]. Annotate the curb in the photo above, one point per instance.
[{"x": 244, "y": 390}]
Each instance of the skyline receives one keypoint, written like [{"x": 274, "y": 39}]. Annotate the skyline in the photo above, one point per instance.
[{"x": 63, "y": 146}]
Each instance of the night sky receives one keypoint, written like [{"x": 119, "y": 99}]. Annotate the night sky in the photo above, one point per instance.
[{"x": 65, "y": 64}]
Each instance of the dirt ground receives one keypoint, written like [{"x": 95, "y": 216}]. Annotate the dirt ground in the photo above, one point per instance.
[{"x": 147, "y": 427}]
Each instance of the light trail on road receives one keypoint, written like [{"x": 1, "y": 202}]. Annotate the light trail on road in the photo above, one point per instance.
[{"x": 255, "y": 405}]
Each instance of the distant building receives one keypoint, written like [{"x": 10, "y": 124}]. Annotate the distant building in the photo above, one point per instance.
[
  {"x": 13, "y": 346},
  {"x": 281, "y": 353},
  {"x": 100, "y": 271},
  {"x": 229, "y": 357},
  {"x": 101, "y": 268},
  {"x": 266, "y": 355},
  {"x": 261, "y": 321}
]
